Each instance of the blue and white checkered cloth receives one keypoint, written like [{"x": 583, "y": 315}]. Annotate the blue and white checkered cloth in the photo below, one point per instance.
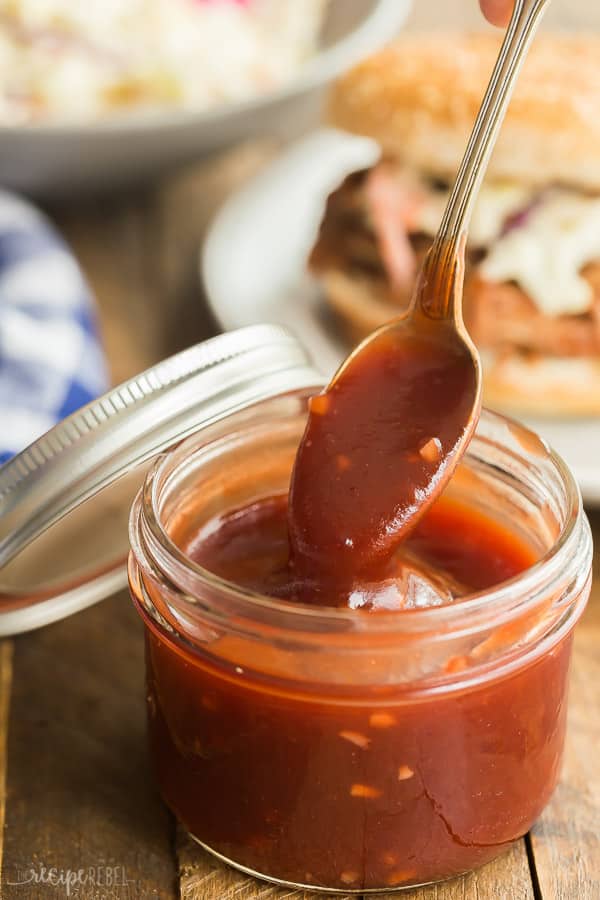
[{"x": 51, "y": 361}]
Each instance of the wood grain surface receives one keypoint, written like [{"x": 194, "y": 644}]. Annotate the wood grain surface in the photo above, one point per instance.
[
  {"x": 80, "y": 795},
  {"x": 566, "y": 839},
  {"x": 204, "y": 878},
  {"x": 6, "y": 654},
  {"x": 76, "y": 794}
]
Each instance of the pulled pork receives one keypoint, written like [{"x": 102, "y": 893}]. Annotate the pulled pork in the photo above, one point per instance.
[{"x": 368, "y": 230}]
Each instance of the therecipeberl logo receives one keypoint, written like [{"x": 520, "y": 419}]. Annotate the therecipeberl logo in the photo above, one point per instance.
[{"x": 101, "y": 882}]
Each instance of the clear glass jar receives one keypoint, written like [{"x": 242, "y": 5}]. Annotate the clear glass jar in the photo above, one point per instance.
[{"x": 339, "y": 751}]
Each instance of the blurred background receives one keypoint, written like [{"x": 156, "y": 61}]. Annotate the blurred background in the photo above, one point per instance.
[
  {"x": 114, "y": 182},
  {"x": 136, "y": 127},
  {"x": 137, "y": 146}
]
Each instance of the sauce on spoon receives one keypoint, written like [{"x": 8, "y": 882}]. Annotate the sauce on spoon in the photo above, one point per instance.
[{"x": 378, "y": 444}]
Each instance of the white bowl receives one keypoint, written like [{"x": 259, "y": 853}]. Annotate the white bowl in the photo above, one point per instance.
[{"x": 49, "y": 158}]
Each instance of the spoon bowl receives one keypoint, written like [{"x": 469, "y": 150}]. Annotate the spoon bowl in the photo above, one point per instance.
[{"x": 394, "y": 422}]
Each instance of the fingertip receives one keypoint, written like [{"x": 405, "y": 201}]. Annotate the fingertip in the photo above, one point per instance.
[{"x": 498, "y": 12}]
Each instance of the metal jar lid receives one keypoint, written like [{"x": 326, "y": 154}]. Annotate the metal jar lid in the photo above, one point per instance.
[{"x": 66, "y": 497}]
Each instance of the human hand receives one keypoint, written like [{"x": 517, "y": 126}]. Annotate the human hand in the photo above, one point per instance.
[{"x": 498, "y": 12}]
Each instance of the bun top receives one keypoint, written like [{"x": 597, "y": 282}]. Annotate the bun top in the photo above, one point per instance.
[{"x": 419, "y": 97}]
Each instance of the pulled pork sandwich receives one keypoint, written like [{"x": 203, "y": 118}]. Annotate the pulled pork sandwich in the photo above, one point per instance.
[{"x": 532, "y": 288}]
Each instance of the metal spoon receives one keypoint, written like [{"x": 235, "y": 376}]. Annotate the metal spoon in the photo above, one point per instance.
[{"x": 385, "y": 438}]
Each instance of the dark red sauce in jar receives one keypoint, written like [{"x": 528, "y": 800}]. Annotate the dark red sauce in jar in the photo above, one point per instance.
[
  {"x": 365, "y": 786},
  {"x": 453, "y": 551},
  {"x": 352, "y": 707}
]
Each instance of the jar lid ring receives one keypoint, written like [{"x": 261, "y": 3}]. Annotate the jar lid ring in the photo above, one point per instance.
[{"x": 100, "y": 444}]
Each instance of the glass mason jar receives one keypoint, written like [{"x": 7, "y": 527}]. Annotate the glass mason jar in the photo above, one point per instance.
[{"x": 341, "y": 751}]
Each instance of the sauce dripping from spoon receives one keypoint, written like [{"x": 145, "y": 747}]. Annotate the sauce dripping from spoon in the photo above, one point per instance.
[
  {"x": 379, "y": 445},
  {"x": 383, "y": 440}
]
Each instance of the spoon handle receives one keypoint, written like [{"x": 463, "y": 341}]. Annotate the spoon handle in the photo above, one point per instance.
[{"x": 439, "y": 291}]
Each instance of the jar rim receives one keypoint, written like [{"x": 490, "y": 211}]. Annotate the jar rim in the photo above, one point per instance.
[{"x": 301, "y": 616}]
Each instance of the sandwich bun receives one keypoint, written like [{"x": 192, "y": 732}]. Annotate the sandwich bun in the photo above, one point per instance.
[
  {"x": 515, "y": 382},
  {"x": 419, "y": 97},
  {"x": 542, "y": 386},
  {"x": 359, "y": 304}
]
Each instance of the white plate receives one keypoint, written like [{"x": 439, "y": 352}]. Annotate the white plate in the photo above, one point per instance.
[
  {"x": 51, "y": 158},
  {"x": 254, "y": 269}
]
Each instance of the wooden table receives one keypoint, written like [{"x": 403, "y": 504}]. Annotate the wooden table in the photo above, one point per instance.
[{"x": 75, "y": 788}]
